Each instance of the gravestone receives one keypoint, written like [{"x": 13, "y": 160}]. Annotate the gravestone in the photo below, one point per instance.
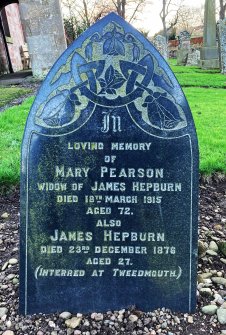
[
  {"x": 184, "y": 40},
  {"x": 161, "y": 45},
  {"x": 184, "y": 47},
  {"x": 222, "y": 44},
  {"x": 193, "y": 58},
  {"x": 182, "y": 56},
  {"x": 209, "y": 52},
  {"x": 109, "y": 181}
]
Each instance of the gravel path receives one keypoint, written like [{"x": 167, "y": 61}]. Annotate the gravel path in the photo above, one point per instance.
[{"x": 210, "y": 317}]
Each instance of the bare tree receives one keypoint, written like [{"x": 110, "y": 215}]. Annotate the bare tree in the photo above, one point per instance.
[
  {"x": 86, "y": 11},
  {"x": 129, "y": 8},
  {"x": 81, "y": 14},
  {"x": 189, "y": 18},
  {"x": 169, "y": 7},
  {"x": 90, "y": 11},
  {"x": 222, "y": 9}
]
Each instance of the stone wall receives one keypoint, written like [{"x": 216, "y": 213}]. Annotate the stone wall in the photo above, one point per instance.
[
  {"x": 222, "y": 44},
  {"x": 43, "y": 25}
]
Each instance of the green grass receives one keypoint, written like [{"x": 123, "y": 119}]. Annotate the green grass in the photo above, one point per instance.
[
  {"x": 206, "y": 80},
  {"x": 208, "y": 107},
  {"x": 206, "y": 94},
  {"x": 209, "y": 112},
  {"x": 193, "y": 76},
  {"x": 187, "y": 69},
  {"x": 12, "y": 123},
  {"x": 8, "y": 94}
]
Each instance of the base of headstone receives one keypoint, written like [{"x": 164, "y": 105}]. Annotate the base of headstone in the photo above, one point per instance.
[
  {"x": 209, "y": 63},
  {"x": 209, "y": 53},
  {"x": 182, "y": 56},
  {"x": 209, "y": 58}
]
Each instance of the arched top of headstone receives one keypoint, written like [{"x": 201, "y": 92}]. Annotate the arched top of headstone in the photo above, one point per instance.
[
  {"x": 111, "y": 65},
  {"x": 184, "y": 35}
]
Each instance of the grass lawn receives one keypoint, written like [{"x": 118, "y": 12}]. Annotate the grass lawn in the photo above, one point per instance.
[
  {"x": 206, "y": 80},
  {"x": 8, "y": 94},
  {"x": 189, "y": 76},
  {"x": 206, "y": 94},
  {"x": 12, "y": 123},
  {"x": 209, "y": 112},
  {"x": 208, "y": 107},
  {"x": 176, "y": 68}
]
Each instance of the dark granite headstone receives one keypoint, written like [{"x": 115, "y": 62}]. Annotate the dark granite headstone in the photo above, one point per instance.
[{"x": 109, "y": 181}]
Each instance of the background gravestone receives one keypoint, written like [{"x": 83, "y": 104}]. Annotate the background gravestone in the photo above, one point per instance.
[
  {"x": 209, "y": 51},
  {"x": 184, "y": 40},
  {"x": 161, "y": 45},
  {"x": 193, "y": 58},
  {"x": 222, "y": 44},
  {"x": 184, "y": 47},
  {"x": 109, "y": 181}
]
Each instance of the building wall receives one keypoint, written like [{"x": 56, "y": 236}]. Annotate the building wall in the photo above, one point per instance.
[
  {"x": 3, "y": 60},
  {"x": 197, "y": 42},
  {"x": 17, "y": 36},
  {"x": 14, "y": 42}
]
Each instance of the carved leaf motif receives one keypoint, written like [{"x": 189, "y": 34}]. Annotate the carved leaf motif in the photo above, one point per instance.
[
  {"x": 53, "y": 105},
  {"x": 110, "y": 91},
  {"x": 113, "y": 46},
  {"x": 107, "y": 35},
  {"x": 162, "y": 112},
  {"x": 113, "y": 80},
  {"x": 119, "y": 36},
  {"x": 109, "y": 75},
  {"x": 169, "y": 112},
  {"x": 60, "y": 109},
  {"x": 118, "y": 80},
  {"x": 102, "y": 82}
]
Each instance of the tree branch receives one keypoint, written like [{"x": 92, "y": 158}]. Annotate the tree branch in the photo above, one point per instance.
[
  {"x": 86, "y": 13},
  {"x": 114, "y": 3},
  {"x": 167, "y": 7},
  {"x": 136, "y": 9}
]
